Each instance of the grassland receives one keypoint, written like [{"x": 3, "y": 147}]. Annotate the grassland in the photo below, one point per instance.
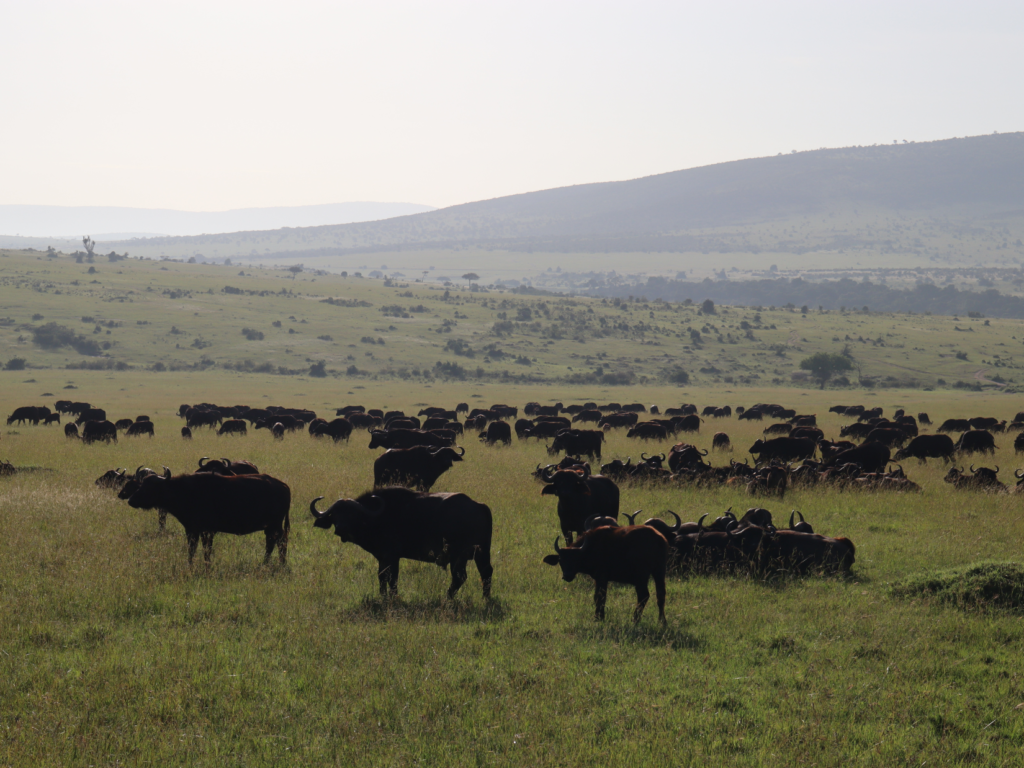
[
  {"x": 178, "y": 316},
  {"x": 113, "y": 651}
]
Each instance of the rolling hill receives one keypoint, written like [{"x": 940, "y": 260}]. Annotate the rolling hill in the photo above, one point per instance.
[{"x": 942, "y": 200}]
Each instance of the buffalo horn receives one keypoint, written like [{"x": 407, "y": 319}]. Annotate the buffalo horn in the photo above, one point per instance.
[
  {"x": 167, "y": 473},
  {"x": 136, "y": 469},
  {"x": 227, "y": 462},
  {"x": 679, "y": 522},
  {"x": 557, "y": 550},
  {"x": 313, "y": 510},
  {"x": 588, "y": 524},
  {"x": 700, "y": 523},
  {"x": 973, "y": 470},
  {"x": 801, "y": 516},
  {"x": 791, "y": 519},
  {"x": 1018, "y": 474},
  {"x": 997, "y": 469},
  {"x": 703, "y": 453},
  {"x": 205, "y": 458},
  {"x": 644, "y": 456},
  {"x": 462, "y": 452},
  {"x": 632, "y": 518}
]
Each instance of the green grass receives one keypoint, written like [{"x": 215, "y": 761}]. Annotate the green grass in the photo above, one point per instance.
[
  {"x": 113, "y": 651},
  {"x": 178, "y": 316}
]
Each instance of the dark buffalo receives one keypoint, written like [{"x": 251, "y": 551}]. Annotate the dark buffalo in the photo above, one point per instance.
[
  {"x": 593, "y": 416},
  {"x": 186, "y": 433},
  {"x": 30, "y": 413},
  {"x": 925, "y": 447},
  {"x": 113, "y": 478},
  {"x": 980, "y": 479},
  {"x": 98, "y": 430},
  {"x": 396, "y": 523},
  {"x": 923, "y": 418},
  {"x": 348, "y": 410},
  {"x": 894, "y": 438},
  {"x": 70, "y": 430},
  {"x": 870, "y": 457},
  {"x": 207, "y": 504},
  {"x": 578, "y": 442},
  {"x": 720, "y": 442},
  {"x": 227, "y": 467},
  {"x": 418, "y": 467},
  {"x": 362, "y": 420},
  {"x": 233, "y": 427},
  {"x": 123, "y": 424},
  {"x": 632, "y": 555},
  {"x": 783, "y": 448},
  {"x": 978, "y": 441},
  {"x": 954, "y": 425},
  {"x": 649, "y": 431},
  {"x": 580, "y": 495},
  {"x": 407, "y": 438},
  {"x": 338, "y": 429},
  {"x": 497, "y": 432},
  {"x": 615, "y": 420},
  {"x": 140, "y": 428},
  {"x": 91, "y": 414}
]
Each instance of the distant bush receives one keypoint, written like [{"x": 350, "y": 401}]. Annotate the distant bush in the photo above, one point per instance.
[
  {"x": 460, "y": 348},
  {"x": 450, "y": 370},
  {"x": 252, "y": 334},
  {"x": 53, "y": 336},
  {"x": 346, "y": 302},
  {"x": 37, "y": 317},
  {"x": 231, "y": 290},
  {"x": 326, "y": 337},
  {"x": 16, "y": 364},
  {"x": 318, "y": 369}
]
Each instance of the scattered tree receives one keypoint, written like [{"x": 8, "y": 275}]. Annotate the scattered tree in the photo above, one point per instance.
[
  {"x": 469, "y": 277},
  {"x": 824, "y": 365},
  {"x": 295, "y": 269}
]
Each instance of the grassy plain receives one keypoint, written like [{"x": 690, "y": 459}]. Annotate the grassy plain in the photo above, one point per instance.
[
  {"x": 113, "y": 651},
  {"x": 176, "y": 315}
]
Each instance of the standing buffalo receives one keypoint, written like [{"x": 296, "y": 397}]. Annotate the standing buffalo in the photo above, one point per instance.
[
  {"x": 580, "y": 495},
  {"x": 186, "y": 433},
  {"x": 140, "y": 428},
  {"x": 978, "y": 441},
  {"x": 207, "y": 504},
  {"x": 99, "y": 430},
  {"x": 396, "y": 523},
  {"x": 233, "y": 427},
  {"x": 497, "y": 431},
  {"x": 924, "y": 447},
  {"x": 71, "y": 430},
  {"x": 631, "y": 555},
  {"x": 339, "y": 429},
  {"x": 720, "y": 442},
  {"x": 417, "y": 467},
  {"x": 783, "y": 448}
]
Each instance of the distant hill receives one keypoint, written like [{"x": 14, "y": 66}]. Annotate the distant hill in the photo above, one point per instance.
[
  {"x": 943, "y": 199},
  {"x": 71, "y": 223}
]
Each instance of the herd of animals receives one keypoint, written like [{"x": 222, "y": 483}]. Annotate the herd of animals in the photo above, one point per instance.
[{"x": 400, "y": 518}]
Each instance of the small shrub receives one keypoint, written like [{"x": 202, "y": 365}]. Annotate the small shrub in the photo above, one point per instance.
[
  {"x": 982, "y": 585},
  {"x": 16, "y": 364},
  {"x": 252, "y": 334},
  {"x": 318, "y": 369}
]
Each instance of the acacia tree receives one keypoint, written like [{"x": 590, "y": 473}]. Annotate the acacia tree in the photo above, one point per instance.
[
  {"x": 824, "y": 365},
  {"x": 469, "y": 277}
]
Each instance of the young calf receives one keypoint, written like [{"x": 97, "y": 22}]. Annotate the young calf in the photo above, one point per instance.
[{"x": 629, "y": 555}]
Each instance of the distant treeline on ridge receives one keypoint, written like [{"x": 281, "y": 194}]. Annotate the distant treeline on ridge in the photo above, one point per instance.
[{"x": 829, "y": 294}]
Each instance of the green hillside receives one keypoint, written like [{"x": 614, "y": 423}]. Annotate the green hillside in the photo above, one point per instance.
[{"x": 167, "y": 316}]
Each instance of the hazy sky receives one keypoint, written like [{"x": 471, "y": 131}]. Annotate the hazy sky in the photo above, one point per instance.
[{"x": 215, "y": 105}]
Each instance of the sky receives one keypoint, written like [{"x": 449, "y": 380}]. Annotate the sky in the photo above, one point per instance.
[{"x": 216, "y": 105}]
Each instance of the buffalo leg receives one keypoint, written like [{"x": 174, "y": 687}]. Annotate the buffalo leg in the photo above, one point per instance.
[
  {"x": 193, "y": 541},
  {"x": 276, "y": 538},
  {"x": 643, "y": 594},
  {"x": 162, "y": 519},
  {"x": 659, "y": 591},
  {"x": 600, "y": 596},
  {"x": 482, "y": 557},
  {"x": 458, "y": 565},
  {"x": 387, "y": 575},
  {"x": 207, "y": 545}
]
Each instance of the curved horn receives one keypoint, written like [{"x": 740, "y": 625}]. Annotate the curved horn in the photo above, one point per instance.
[
  {"x": 548, "y": 472},
  {"x": 588, "y": 523},
  {"x": 729, "y": 513},
  {"x": 167, "y": 473},
  {"x": 313, "y": 509},
  {"x": 227, "y": 462},
  {"x": 205, "y": 458},
  {"x": 629, "y": 461},
  {"x": 700, "y": 523},
  {"x": 997, "y": 469},
  {"x": 973, "y": 470},
  {"x": 136, "y": 469},
  {"x": 632, "y": 518},
  {"x": 801, "y": 514},
  {"x": 644, "y": 456},
  {"x": 463, "y": 452},
  {"x": 703, "y": 453},
  {"x": 1018, "y": 473},
  {"x": 791, "y": 519},
  {"x": 679, "y": 522},
  {"x": 557, "y": 550}
]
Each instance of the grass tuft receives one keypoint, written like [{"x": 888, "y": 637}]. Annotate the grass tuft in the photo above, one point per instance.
[{"x": 981, "y": 585}]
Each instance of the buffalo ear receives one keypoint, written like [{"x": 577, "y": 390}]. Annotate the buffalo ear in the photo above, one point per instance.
[
  {"x": 548, "y": 490},
  {"x": 551, "y": 559}
]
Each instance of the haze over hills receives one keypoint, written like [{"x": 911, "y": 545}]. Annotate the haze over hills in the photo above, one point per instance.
[
  {"x": 941, "y": 201},
  {"x": 108, "y": 223}
]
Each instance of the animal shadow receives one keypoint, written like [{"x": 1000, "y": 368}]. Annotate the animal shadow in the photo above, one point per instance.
[{"x": 440, "y": 610}]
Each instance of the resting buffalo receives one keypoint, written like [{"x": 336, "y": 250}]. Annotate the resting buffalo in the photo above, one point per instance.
[
  {"x": 227, "y": 467},
  {"x": 632, "y": 555},
  {"x": 207, "y": 504},
  {"x": 925, "y": 447},
  {"x": 870, "y": 457},
  {"x": 980, "y": 479},
  {"x": 649, "y": 431},
  {"x": 418, "y": 467},
  {"x": 396, "y": 523}
]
